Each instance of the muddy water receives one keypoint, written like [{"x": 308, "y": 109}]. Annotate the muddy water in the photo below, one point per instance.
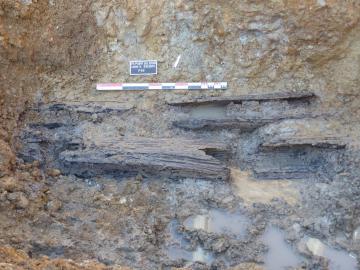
[
  {"x": 180, "y": 249},
  {"x": 218, "y": 221},
  {"x": 199, "y": 255},
  {"x": 280, "y": 255},
  {"x": 178, "y": 253},
  {"x": 338, "y": 259},
  {"x": 214, "y": 221},
  {"x": 208, "y": 112}
]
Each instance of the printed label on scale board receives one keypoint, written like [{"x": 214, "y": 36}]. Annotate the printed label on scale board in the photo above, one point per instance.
[{"x": 143, "y": 67}]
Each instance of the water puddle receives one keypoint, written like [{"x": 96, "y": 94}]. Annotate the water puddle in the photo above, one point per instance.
[
  {"x": 338, "y": 259},
  {"x": 176, "y": 238},
  {"x": 199, "y": 255},
  {"x": 176, "y": 253},
  {"x": 208, "y": 112},
  {"x": 179, "y": 248},
  {"x": 217, "y": 221},
  {"x": 280, "y": 255}
]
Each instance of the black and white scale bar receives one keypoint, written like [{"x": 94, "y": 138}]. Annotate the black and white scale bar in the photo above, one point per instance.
[{"x": 160, "y": 86}]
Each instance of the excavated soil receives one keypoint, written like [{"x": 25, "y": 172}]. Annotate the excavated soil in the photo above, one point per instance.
[{"x": 263, "y": 175}]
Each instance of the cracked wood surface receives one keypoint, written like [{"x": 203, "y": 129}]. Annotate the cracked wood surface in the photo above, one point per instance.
[{"x": 173, "y": 157}]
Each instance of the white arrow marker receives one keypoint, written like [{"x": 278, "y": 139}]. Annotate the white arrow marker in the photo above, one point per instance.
[{"x": 177, "y": 61}]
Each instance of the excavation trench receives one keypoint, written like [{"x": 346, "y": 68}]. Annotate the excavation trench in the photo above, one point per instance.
[
  {"x": 261, "y": 175},
  {"x": 147, "y": 201}
]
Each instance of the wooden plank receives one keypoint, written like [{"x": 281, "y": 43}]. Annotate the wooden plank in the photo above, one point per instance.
[
  {"x": 321, "y": 142},
  {"x": 170, "y": 157},
  {"x": 315, "y": 132},
  {"x": 214, "y": 124},
  {"x": 240, "y": 98},
  {"x": 242, "y": 124}
]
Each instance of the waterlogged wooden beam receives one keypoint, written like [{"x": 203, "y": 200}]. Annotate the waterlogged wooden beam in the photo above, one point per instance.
[
  {"x": 244, "y": 124},
  {"x": 169, "y": 157},
  {"x": 214, "y": 124},
  {"x": 301, "y": 95},
  {"x": 321, "y": 142},
  {"x": 89, "y": 107},
  {"x": 303, "y": 132}
]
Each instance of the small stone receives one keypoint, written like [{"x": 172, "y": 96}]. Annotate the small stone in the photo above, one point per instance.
[
  {"x": 3, "y": 197},
  {"x": 228, "y": 199},
  {"x": 24, "y": 176},
  {"x": 27, "y": 166},
  {"x": 36, "y": 164},
  {"x": 22, "y": 201},
  {"x": 315, "y": 246},
  {"x": 220, "y": 245},
  {"x": 36, "y": 173},
  {"x": 54, "y": 205},
  {"x": 94, "y": 118},
  {"x": 54, "y": 172},
  {"x": 18, "y": 199},
  {"x": 8, "y": 183},
  {"x": 123, "y": 200}
]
